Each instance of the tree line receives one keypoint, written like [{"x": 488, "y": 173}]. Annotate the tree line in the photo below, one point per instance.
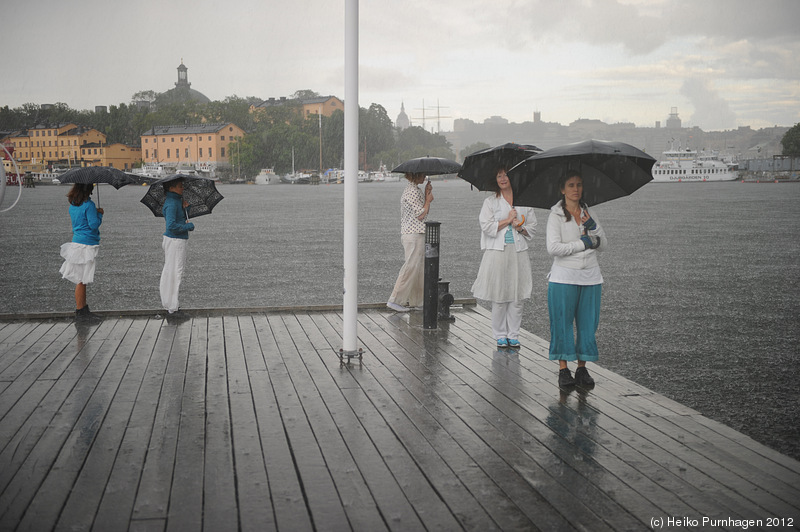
[{"x": 273, "y": 134}]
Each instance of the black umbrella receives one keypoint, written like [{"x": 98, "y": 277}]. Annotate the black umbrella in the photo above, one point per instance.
[
  {"x": 89, "y": 175},
  {"x": 480, "y": 168},
  {"x": 610, "y": 170},
  {"x": 200, "y": 192},
  {"x": 428, "y": 166}
]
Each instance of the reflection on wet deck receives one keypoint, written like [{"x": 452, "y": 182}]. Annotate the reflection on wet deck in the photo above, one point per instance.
[{"x": 249, "y": 420}]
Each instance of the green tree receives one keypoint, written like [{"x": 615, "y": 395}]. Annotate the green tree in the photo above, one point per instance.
[
  {"x": 791, "y": 141},
  {"x": 375, "y": 133},
  {"x": 472, "y": 148},
  {"x": 305, "y": 94},
  {"x": 416, "y": 142}
]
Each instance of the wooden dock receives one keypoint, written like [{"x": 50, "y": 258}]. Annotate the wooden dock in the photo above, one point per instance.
[{"x": 249, "y": 421}]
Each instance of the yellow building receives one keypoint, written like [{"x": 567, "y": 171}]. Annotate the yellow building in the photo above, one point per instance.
[
  {"x": 65, "y": 145},
  {"x": 118, "y": 155},
  {"x": 202, "y": 145},
  {"x": 324, "y": 105}
]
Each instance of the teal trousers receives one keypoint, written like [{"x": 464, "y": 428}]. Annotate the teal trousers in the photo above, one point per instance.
[{"x": 573, "y": 306}]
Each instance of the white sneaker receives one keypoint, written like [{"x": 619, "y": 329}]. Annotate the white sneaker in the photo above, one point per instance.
[{"x": 398, "y": 308}]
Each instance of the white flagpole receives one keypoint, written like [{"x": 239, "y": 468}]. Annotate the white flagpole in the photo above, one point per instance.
[{"x": 350, "y": 241}]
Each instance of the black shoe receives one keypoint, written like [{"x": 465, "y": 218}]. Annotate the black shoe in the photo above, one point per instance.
[
  {"x": 83, "y": 315},
  {"x": 177, "y": 316},
  {"x": 582, "y": 377},
  {"x": 565, "y": 378}
]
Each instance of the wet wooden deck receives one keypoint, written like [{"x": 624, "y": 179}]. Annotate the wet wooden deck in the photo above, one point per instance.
[{"x": 248, "y": 421}]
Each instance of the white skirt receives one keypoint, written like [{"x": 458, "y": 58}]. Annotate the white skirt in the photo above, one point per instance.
[
  {"x": 79, "y": 262},
  {"x": 504, "y": 276}
]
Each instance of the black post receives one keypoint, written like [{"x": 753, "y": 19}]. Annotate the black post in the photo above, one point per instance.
[{"x": 430, "y": 309}]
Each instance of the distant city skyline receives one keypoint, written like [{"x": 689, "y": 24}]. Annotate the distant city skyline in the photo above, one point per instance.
[{"x": 722, "y": 63}]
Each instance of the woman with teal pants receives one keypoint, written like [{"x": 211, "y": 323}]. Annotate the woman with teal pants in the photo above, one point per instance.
[{"x": 574, "y": 236}]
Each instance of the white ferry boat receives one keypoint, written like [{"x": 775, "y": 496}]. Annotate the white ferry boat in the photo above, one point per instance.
[{"x": 679, "y": 165}]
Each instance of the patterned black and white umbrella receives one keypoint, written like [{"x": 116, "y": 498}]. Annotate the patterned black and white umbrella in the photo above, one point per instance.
[{"x": 199, "y": 192}]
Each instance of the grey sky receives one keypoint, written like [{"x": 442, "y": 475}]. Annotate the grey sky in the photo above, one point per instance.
[{"x": 722, "y": 63}]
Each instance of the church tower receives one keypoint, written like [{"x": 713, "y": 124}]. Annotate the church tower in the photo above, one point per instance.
[
  {"x": 183, "y": 78},
  {"x": 402, "y": 121}
]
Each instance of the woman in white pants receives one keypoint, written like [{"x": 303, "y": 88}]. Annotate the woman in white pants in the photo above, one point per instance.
[
  {"x": 174, "y": 242},
  {"x": 504, "y": 276}
]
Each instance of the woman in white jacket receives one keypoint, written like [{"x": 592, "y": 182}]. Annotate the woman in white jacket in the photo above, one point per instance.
[
  {"x": 573, "y": 295},
  {"x": 504, "y": 276}
]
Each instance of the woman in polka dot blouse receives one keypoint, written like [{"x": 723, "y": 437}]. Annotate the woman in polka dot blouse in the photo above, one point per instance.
[{"x": 414, "y": 206}]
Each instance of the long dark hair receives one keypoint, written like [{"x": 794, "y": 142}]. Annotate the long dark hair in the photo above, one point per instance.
[
  {"x": 492, "y": 185},
  {"x": 569, "y": 174},
  {"x": 79, "y": 193}
]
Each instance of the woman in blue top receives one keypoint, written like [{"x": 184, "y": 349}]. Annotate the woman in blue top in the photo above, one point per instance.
[
  {"x": 80, "y": 254},
  {"x": 174, "y": 244}
]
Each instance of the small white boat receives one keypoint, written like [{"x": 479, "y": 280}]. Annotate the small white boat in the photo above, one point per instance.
[{"x": 267, "y": 176}]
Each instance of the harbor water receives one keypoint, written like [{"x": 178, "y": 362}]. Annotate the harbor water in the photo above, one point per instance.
[{"x": 700, "y": 301}]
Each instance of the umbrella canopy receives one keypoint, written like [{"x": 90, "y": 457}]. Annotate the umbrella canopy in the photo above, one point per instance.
[
  {"x": 428, "y": 166},
  {"x": 610, "y": 170},
  {"x": 480, "y": 168},
  {"x": 97, "y": 174},
  {"x": 200, "y": 192}
]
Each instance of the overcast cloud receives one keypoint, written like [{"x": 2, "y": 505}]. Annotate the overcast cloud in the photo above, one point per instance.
[{"x": 722, "y": 63}]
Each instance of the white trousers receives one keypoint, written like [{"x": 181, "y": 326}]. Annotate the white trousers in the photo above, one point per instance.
[
  {"x": 174, "y": 261},
  {"x": 409, "y": 287},
  {"x": 507, "y": 319}
]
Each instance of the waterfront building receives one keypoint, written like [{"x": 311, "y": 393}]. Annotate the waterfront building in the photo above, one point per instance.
[
  {"x": 66, "y": 145},
  {"x": 200, "y": 145},
  {"x": 306, "y": 107}
]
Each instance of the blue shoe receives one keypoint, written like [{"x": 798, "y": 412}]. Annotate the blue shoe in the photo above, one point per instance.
[
  {"x": 502, "y": 342},
  {"x": 514, "y": 343}
]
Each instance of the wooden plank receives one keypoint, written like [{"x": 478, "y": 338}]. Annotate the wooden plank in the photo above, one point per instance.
[
  {"x": 141, "y": 386},
  {"x": 370, "y": 493},
  {"x": 186, "y": 497},
  {"x": 406, "y": 417},
  {"x": 65, "y": 444},
  {"x": 286, "y": 490},
  {"x": 84, "y": 498},
  {"x": 252, "y": 484},
  {"x": 428, "y": 387},
  {"x": 20, "y": 399},
  {"x": 694, "y": 497},
  {"x": 20, "y": 337},
  {"x": 219, "y": 495},
  {"x": 319, "y": 487},
  {"x": 166, "y": 378}
]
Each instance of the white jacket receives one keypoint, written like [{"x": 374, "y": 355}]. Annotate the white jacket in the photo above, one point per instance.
[
  {"x": 564, "y": 241},
  {"x": 496, "y": 208}
]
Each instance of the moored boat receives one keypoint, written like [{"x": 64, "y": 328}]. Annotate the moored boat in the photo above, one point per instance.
[
  {"x": 679, "y": 165},
  {"x": 267, "y": 176}
]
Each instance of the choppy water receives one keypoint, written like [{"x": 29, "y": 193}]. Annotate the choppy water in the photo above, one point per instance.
[{"x": 700, "y": 301}]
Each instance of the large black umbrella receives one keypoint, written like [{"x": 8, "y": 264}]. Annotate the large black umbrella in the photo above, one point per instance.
[
  {"x": 480, "y": 168},
  {"x": 609, "y": 169},
  {"x": 200, "y": 192},
  {"x": 428, "y": 166},
  {"x": 89, "y": 175}
]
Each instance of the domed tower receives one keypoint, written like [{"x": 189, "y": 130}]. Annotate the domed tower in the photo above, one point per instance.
[
  {"x": 183, "y": 90},
  {"x": 402, "y": 121}
]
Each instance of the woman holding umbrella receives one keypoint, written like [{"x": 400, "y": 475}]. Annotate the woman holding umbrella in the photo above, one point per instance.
[
  {"x": 504, "y": 276},
  {"x": 573, "y": 293},
  {"x": 174, "y": 244},
  {"x": 80, "y": 254},
  {"x": 414, "y": 207}
]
